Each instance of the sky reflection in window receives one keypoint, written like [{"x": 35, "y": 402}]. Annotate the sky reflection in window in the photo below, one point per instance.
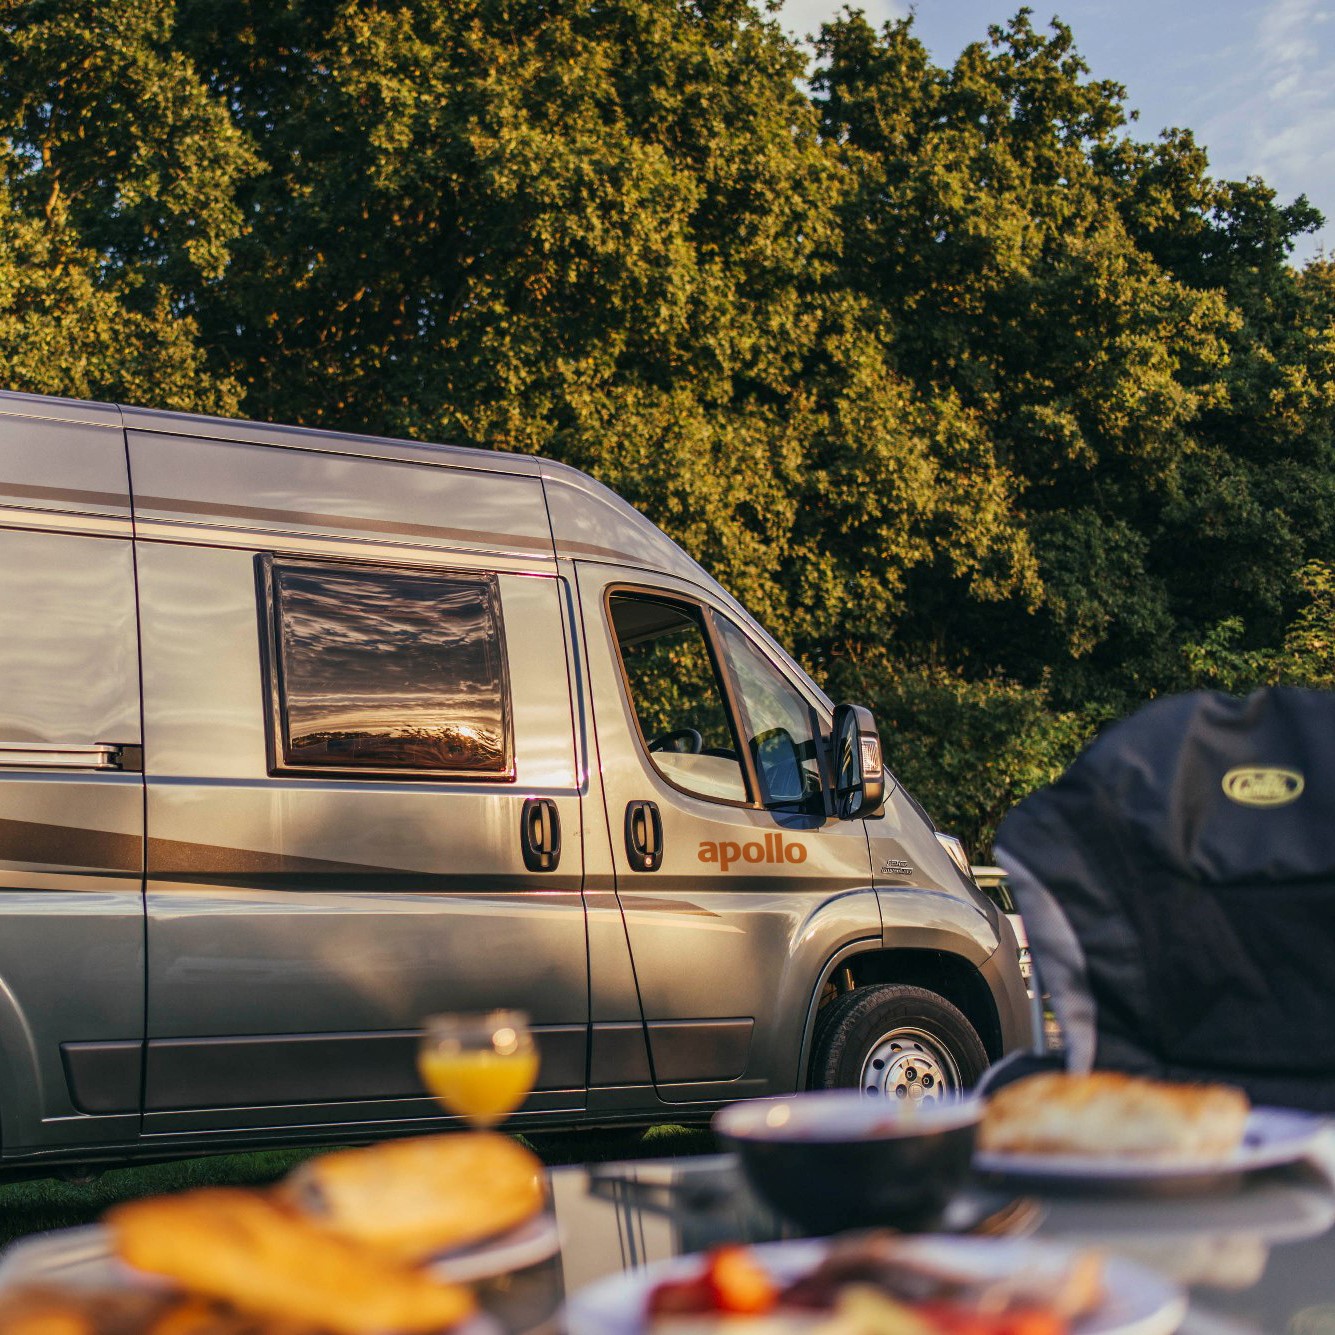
[{"x": 391, "y": 669}]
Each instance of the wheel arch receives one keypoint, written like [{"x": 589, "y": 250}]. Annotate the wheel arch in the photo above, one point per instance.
[
  {"x": 942, "y": 971},
  {"x": 20, "y": 1071}
]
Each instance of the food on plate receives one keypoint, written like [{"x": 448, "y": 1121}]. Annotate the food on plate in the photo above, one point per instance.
[
  {"x": 331, "y": 1252},
  {"x": 875, "y": 1284},
  {"x": 1108, "y": 1115},
  {"x": 413, "y": 1198},
  {"x": 732, "y": 1283},
  {"x": 245, "y": 1249},
  {"x": 41, "y": 1310}
]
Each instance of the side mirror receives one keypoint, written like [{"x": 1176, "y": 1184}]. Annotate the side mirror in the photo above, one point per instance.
[{"x": 859, "y": 775}]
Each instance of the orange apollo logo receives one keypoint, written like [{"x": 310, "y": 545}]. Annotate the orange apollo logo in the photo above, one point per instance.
[
  {"x": 773, "y": 849},
  {"x": 1255, "y": 786}
]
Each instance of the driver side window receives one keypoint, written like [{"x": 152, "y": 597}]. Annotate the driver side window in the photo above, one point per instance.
[
  {"x": 678, "y": 699},
  {"x": 777, "y": 723}
]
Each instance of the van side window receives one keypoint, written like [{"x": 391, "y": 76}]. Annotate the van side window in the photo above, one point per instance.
[
  {"x": 387, "y": 670},
  {"x": 677, "y": 696},
  {"x": 777, "y": 723}
]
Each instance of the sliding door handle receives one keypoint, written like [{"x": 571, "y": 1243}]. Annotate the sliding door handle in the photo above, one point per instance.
[
  {"x": 540, "y": 834},
  {"x": 644, "y": 836}
]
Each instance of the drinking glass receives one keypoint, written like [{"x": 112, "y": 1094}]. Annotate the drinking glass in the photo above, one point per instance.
[{"x": 481, "y": 1066}]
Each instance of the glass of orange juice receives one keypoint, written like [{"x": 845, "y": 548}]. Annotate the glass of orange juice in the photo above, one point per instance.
[{"x": 481, "y": 1066}]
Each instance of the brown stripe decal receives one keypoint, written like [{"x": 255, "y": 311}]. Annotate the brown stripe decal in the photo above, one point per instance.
[
  {"x": 219, "y": 867},
  {"x": 592, "y": 549},
  {"x": 103, "y": 500},
  {"x": 305, "y": 519},
  {"x": 68, "y": 846},
  {"x": 55, "y": 847},
  {"x": 681, "y": 907},
  {"x": 182, "y": 860}
]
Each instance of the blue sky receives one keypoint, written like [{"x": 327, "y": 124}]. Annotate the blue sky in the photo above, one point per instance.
[{"x": 1255, "y": 79}]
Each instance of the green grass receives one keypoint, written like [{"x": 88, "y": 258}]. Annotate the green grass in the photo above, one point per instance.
[{"x": 46, "y": 1203}]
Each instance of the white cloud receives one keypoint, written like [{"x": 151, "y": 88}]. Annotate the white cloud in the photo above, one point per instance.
[
  {"x": 1286, "y": 35},
  {"x": 1275, "y": 116}
]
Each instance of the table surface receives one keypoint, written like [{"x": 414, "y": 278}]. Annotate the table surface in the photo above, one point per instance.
[{"x": 1256, "y": 1254}]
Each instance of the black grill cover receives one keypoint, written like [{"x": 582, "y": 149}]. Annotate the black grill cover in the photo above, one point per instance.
[{"x": 1191, "y": 848}]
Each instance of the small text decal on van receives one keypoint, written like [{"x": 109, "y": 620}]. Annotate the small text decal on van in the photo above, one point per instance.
[
  {"x": 772, "y": 850},
  {"x": 1263, "y": 787}
]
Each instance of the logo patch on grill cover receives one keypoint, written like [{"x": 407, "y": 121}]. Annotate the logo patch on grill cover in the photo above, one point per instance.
[{"x": 1262, "y": 786}]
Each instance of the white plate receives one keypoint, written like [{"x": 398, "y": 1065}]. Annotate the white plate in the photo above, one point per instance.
[
  {"x": 1139, "y": 1302},
  {"x": 1273, "y": 1136},
  {"x": 82, "y": 1256},
  {"x": 536, "y": 1240}
]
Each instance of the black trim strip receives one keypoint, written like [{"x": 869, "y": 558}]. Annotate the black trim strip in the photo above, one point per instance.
[
  {"x": 185, "y": 860},
  {"x": 685, "y": 1050},
  {"x": 104, "y": 1077},
  {"x": 320, "y": 1068},
  {"x": 179, "y": 861},
  {"x": 618, "y": 1055}
]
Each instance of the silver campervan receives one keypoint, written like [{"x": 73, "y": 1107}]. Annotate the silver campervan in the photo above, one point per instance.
[{"x": 305, "y": 736}]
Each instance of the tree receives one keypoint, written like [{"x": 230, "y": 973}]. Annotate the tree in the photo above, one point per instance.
[
  {"x": 609, "y": 233},
  {"x": 65, "y": 329},
  {"x": 116, "y": 204},
  {"x": 1002, "y": 417}
]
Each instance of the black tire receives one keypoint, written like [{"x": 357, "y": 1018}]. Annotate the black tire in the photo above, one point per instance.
[{"x": 921, "y": 1041}]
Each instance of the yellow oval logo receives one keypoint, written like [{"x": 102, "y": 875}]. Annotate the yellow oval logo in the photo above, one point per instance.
[{"x": 1263, "y": 787}]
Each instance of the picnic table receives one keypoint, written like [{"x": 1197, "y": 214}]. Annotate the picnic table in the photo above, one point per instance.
[{"x": 1255, "y": 1255}]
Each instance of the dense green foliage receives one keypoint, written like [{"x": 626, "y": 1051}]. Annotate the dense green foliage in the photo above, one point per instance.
[{"x": 1003, "y": 417}]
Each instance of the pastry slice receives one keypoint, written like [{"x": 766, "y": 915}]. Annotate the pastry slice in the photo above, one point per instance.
[
  {"x": 414, "y": 1198},
  {"x": 245, "y": 1249}
]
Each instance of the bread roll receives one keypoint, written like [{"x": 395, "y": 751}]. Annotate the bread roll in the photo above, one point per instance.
[{"x": 1108, "y": 1116}]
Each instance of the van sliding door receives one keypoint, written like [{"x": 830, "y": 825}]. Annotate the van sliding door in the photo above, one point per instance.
[
  {"x": 71, "y": 799},
  {"x": 343, "y": 741}
]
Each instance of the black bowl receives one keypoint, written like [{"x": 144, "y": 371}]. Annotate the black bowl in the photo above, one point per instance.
[{"x": 836, "y": 1160}]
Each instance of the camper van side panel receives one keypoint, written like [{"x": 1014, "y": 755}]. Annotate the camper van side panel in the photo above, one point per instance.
[
  {"x": 71, "y": 796},
  {"x": 303, "y": 920}
]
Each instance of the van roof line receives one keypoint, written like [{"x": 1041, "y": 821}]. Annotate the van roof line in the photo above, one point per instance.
[
  {"x": 317, "y": 438},
  {"x": 600, "y": 526},
  {"x": 88, "y": 412},
  {"x": 589, "y": 521},
  {"x": 82, "y": 411}
]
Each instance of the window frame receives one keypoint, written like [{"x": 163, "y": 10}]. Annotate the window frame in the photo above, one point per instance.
[
  {"x": 732, "y": 701},
  {"x": 276, "y": 733},
  {"x": 648, "y": 593}
]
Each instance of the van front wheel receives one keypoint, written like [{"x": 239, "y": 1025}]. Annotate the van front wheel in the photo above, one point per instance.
[{"x": 896, "y": 1042}]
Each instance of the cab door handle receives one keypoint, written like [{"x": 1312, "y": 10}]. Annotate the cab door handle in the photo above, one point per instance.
[
  {"x": 540, "y": 834},
  {"x": 644, "y": 836}
]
